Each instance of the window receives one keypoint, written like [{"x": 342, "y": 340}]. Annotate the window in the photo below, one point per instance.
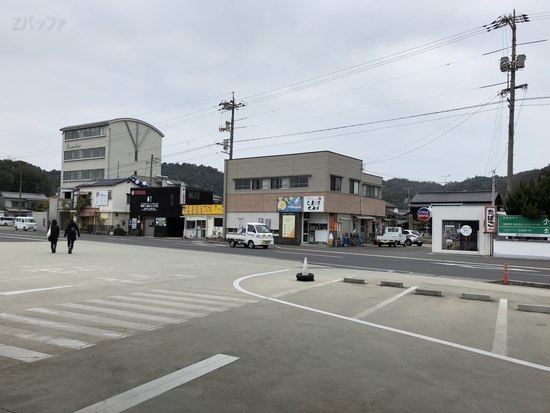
[
  {"x": 218, "y": 222},
  {"x": 84, "y": 154},
  {"x": 194, "y": 195},
  {"x": 84, "y": 174},
  {"x": 279, "y": 183},
  {"x": 336, "y": 184},
  {"x": 85, "y": 133},
  {"x": 371, "y": 191},
  {"x": 241, "y": 184},
  {"x": 260, "y": 184},
  {"x": 353, "y": 187},
  {"x": 299, "y": 182}
]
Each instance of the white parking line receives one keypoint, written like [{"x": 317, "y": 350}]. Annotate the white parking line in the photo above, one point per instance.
[
  {"x": 500, "y": 342},
  {"x": 35, "y": 290},
  {"x": 384, "y": 303},
  {"x": 237, "y": 285},
  {"x": 161, "y": 385}
]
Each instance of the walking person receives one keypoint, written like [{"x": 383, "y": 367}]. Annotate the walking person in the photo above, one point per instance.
[
  {"x": 71, "y": 232},
  {"x": 53, "y": 235}
]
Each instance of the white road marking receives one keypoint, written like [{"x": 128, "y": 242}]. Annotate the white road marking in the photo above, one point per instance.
[
  {"x": 384, "y": 303},
  {"x": 308, "y": 254},
  {"x": 168, "y": 303},
  {"x": 146, "y": 308},
  {"x": 55, "y": 341},
  {"x": 485, "y": 267},
  {"x": 95, "y": 319},
  {"x": 215, "y": 297},
  {"x": 21, "y": 353},
  {"x": 500, "y": 342},
  {"x": 307, "y": 288},
  {"x": 161, "y": 385},
  {"x": 61, "y": 326},
  {"x": 35, "y": 290},
  {"x": 186, "y": 299},
  {"x": 122, "y": 313},
  {"x": 237, "y": 285}
]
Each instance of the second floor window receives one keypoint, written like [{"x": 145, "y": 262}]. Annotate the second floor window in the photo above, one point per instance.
[
  {"x": 299, "y": 182},
  {"x": 336, "y": 184},
  {"x": 260, "y": 184},
  {"x": 353, "y": 187},
  {"x": 371, "y": 191},
  {"x": 279, "y": 183},
  {"x": 242, "y": 184}
]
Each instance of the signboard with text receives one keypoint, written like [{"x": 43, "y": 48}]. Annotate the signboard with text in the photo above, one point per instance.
[
  {"x": 490, "y": 224},
  {"x": 314, "y": 204},
  {"x": 519, "y": 226},
  {"x": 289, "y": 204}
]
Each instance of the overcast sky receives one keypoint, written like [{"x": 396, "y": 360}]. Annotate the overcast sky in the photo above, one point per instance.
[{"x": 410, "y": 88}]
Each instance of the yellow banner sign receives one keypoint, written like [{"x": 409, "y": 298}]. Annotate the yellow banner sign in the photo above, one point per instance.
[{"x": 202, "y": 210}]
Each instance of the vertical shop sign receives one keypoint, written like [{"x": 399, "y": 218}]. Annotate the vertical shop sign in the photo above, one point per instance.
[{"x": 491, "y": 220}]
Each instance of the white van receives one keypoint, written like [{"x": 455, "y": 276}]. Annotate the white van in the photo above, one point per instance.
[
  {"x": 5, "y": 221},
  {"x": 25, "y": 223}
]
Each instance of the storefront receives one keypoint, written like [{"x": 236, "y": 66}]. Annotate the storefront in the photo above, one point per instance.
[{"x": 459, "y": 230}]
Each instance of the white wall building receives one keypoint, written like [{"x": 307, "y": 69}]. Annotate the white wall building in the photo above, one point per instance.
[{"x": 109, "y": 149}]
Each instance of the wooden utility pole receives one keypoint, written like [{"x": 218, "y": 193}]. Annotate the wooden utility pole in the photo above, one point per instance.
[
  {"x": 507, "y": 65},
  {"x": 20, "y": 191}
]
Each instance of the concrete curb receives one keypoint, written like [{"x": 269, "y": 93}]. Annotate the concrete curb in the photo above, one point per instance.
[
  {"x": 434, "y": 293},
  {"x": 479, "y": 297},
  {"x": 534, "y": 308}
]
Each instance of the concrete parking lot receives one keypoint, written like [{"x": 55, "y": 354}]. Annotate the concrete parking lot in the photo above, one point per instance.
[{"x": 87, "y": 328}]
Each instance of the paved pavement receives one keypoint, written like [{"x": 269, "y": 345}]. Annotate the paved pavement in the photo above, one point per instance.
[{"x": 87, "y": 328}]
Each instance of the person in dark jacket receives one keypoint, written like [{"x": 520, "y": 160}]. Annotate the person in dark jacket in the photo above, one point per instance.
[
  {"x": 54, "y": 235},
  {"x": 71, "y": 232}
]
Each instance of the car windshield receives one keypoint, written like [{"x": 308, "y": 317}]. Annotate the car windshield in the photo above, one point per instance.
[
  {"x": 262, "y": 229},
  {"x": 416, "y": 233}
]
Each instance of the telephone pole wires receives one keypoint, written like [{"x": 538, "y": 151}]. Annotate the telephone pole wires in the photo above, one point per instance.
[
  {"x": 230, "y": 125},
  {"x": 510, "y": 65},
  {"x": 228, "y": 148}
]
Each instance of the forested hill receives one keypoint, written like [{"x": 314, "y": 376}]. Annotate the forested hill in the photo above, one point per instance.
[
  {"x": 395, "y": 190},
  {"x": 204, "y": 177}
]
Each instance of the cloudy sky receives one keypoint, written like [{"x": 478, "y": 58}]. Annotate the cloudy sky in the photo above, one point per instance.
[{"x": 410, "y": 88}]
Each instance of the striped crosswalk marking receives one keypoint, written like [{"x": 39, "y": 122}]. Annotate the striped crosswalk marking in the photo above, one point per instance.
[
  {"x": 145, "y": 307},
  {"x": 148, "y": 310},
  {"x": 129, "y": 314},
  {"x": 55, "y": 341},
  {"x": 62, "y": 326},
  {"x": 21, "y": 353},
  {"x": 95, "y": 319},
  {"x": 215, "y": 297},
  {"x": 186, "y": 299},
  {"x": 168, "y": 303}
]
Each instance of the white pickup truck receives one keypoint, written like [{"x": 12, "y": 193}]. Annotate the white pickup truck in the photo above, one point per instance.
[
  {"x": 252, "y": 234},
  {"x": 392, "y": 236}
]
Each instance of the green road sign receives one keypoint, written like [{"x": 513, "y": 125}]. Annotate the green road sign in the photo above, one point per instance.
[{"x": 519, "y": 226}]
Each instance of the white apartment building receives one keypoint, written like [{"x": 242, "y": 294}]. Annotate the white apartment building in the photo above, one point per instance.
[{"x": 110, "y": 149}]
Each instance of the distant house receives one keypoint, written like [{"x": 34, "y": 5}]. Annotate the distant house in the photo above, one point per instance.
[
  {"x": 458, "y": 220},
  {"x": 463, "y": 198},
  {"x": 14, "y": 203}
]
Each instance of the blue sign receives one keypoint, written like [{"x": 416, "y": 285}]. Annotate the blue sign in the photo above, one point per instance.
[
  {"x": 289, "y": 204},
  {"x": 424, "y": 214}
]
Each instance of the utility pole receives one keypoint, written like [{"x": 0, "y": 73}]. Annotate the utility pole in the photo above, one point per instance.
[
  {"x": 511, "y": 66},
  {"x": 20, "y": 191},
  {"x": 445, "y": 176},
  {"x": 230, "y": 126}
]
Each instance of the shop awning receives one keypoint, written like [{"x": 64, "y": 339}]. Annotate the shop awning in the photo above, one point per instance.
[
  {"x": 363, "y": 217},
  {"x": 89, "y": 212}
]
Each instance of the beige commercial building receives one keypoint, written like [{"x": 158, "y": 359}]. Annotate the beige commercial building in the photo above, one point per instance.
[{"x": 304, "y": 197}]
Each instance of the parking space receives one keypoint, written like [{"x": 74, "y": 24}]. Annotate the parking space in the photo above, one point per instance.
[{"x": 494, "y": 326}]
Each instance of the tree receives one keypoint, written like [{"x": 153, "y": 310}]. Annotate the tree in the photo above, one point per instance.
[{"x": 531, "y": 200}]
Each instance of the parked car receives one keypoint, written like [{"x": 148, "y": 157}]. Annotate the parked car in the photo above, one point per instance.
[
  {"x": 413, "y": 237},
  {"x": 392, "y": 236},
  {"x": 25, "y": 223},
  {"x": 5, "y": 221}
]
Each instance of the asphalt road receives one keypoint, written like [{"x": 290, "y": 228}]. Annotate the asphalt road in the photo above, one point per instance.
[
  {"x": 406, "y": 260},
  {"x": 182, "y": 326}
]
